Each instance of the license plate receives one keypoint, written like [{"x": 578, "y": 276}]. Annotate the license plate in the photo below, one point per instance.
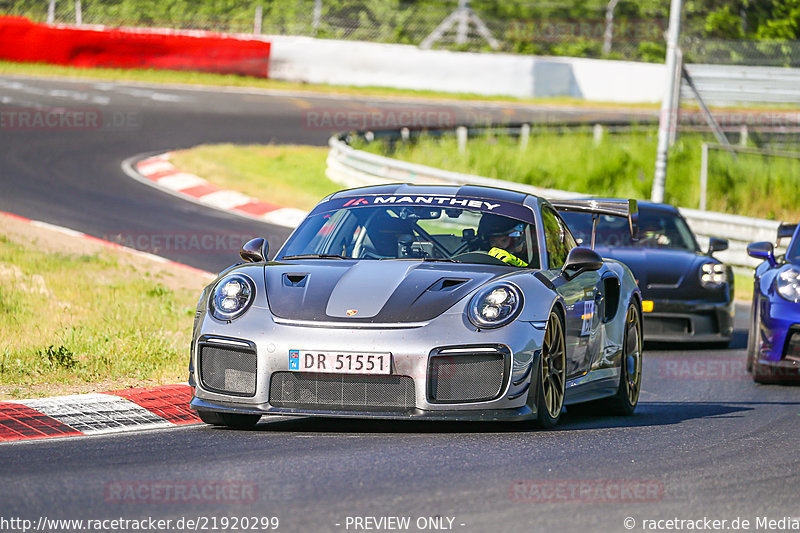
[{"x": 340, "y": 362}]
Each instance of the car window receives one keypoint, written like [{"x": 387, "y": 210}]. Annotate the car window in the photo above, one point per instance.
[
  {"x": 793, "y": 254},
  {"x": 558, "y": 240},
  {"x": 657, "y": 229},
  {"x": 415, "y": 232}
]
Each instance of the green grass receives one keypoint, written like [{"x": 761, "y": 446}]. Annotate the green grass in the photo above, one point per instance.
[
  {"x": 291, "y": 176},
  {"x": 743, "y": 284},
  {"x": 68, "y": 319},
  {"x": 621, "y": 165}
]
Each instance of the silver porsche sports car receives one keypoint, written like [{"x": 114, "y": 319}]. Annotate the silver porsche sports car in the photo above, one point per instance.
[{"x": 421, "y": 302}]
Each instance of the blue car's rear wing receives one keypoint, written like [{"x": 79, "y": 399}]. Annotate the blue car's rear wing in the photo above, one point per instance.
[
  {"x": 616, "y": 208},
  {"x": 785, "y": 231}
]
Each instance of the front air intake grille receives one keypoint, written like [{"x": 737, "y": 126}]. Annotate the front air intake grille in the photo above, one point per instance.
[
  {"x": 228, "y": 369},
  {"x": 656, "y": 325},
  {"x": 341, "y": 391},
  {"x": 467, "y": 375},
  {"x": 792, "y": 350}
]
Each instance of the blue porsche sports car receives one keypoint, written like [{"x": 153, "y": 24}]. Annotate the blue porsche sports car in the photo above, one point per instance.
[{"x": 773, "y": 346}]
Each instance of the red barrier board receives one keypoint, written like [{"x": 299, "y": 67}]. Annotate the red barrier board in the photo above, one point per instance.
[{"x": 26, "y": 41}]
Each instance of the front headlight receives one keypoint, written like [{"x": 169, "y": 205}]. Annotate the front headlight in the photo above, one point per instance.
[
  {"x": 788, "y": 285},
  {"x": 231, "y": 297},
  {"x": 713, "y": 275},
  {"x": 495, "y": 306}
]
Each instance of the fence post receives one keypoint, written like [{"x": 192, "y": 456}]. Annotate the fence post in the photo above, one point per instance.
[
  {"x": 257, "y": 20},
  {"x": 608, "y": 34},
  {"x": 597, "y": 132},
  {"x": 703, "y": 175},
  {"x": 51, "y": 12},
  {"x": 461, "y": 136},
  {"x": 667, "y": 112},
  {"x": 743, "y": 134},
  {"x": 317, "y": 14},
  {"x": 524, "y": 136},
  {"x": 78, "y": 13}
]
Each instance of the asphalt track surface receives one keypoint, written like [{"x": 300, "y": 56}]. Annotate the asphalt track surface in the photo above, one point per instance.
[{"x": 705, "y": 442}]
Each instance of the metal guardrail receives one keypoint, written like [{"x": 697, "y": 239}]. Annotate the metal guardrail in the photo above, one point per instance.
[
  {"x": 726, "y": 84},
  {"x": 356, "y": 168}
]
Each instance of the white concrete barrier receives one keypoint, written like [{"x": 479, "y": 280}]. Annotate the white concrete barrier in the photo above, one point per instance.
[{"x": 304, "y": 59}]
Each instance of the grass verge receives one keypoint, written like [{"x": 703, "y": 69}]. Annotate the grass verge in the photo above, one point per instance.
[
  {"x": 291, "y": 176},
  {"x": 743, "y": 284},
  {"x": 87, "y": 319}
]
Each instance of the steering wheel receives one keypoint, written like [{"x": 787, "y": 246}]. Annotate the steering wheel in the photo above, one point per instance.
[{"x": 478, "y": 257}]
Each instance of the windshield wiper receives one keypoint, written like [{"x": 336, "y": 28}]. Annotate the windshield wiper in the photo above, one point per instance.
[{"x": 314, "y": 256}]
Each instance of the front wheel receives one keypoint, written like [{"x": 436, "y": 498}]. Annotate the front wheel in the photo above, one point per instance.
[{"x": 551, "y": 378}]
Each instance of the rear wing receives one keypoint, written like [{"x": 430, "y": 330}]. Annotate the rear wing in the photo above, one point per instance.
[
  {"x": 616, "y": 208},
  {"x": 786, "y": 230}
]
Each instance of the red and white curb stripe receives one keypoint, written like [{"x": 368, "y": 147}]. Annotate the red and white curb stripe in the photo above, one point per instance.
[
  {"x": 97, "y": 413},
  {"x": 163, "y": 174},
  {"x": 93, "y": 414}
]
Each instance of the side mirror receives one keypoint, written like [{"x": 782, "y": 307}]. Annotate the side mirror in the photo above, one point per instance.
[
  {"x": 717, "y": 245},
  {"x": 763, "y": 251},
  {"x": 580, "y": 260},
  {"x": 255, "y": 250}
]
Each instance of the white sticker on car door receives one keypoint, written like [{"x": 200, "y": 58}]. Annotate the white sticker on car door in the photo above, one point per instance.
[{"x": 588, "y": 315}]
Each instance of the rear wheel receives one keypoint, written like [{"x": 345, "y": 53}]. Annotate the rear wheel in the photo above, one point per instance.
[
  {"x": 550, "y": 385},
  {"x": 233, "y": 420},
  {"x": 626, "y": 399},
  {"x": 630, "y": 379}
]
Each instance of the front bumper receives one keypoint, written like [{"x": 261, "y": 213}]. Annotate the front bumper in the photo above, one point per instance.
[
  {"x": 488, "y": 415},
  {"x": 689, "y": 321},
  {"x": 411, "y": 348},
  {"x": 780, "y": 321}
]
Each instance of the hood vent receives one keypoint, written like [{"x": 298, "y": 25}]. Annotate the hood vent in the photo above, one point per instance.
[
  {"x": 295, "y": 280},
  {"x": 447, "y": 284}
]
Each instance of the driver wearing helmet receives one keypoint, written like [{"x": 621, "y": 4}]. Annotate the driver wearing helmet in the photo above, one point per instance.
[{"x": 505, "y": 238}]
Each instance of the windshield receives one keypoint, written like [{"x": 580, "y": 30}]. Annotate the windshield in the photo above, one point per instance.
[
  {"x": 657, "y": 229},
  {"x": 381, "y": 232},
  {"x": 793, "y": 253}
]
